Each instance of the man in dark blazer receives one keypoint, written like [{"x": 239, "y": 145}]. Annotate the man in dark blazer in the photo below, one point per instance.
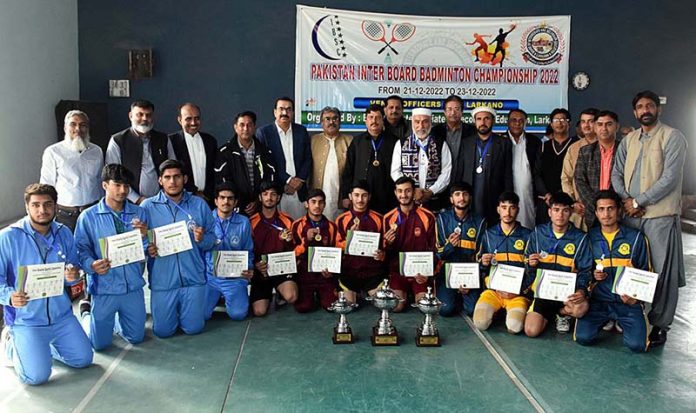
[
  {"x": 591, "y": 173},
  {"x": 454, "y": 131},
  {"x": 487, "y": 160},
  {"x": 292, "y": 155},
  {"x": 196, "y": 150}
]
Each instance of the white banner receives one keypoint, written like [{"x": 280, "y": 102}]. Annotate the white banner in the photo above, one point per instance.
[{"x": 350, "y": 59}]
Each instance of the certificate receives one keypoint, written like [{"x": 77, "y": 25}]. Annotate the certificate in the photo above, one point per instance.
[
  {"x": 462, "y": 275},
  {"x": 171, "y": 239},
  {"x": 324, "y": 258},
  {"x": 414, "y": 263},
  {"x": 123, "y": 248},
  {"x": 281, "y": 263},
  {"x": 635, "y": 283},
  {"x": 362, "y": 243},
  {"x": 41, "y": 280},
  {"x": 506, "y": 278},
  {"x": 230, "y": 264},
  {"x": 554, "y": 285}
]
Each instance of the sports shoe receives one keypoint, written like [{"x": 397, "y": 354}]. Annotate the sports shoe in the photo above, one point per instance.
[
  {"x": 609, "y": 325},
  {"x": 5, "y": 338},
  {"x": 618, "y": 328},
  {"x": 562, "y": 323},
  {"x": 85, "y": 307}
]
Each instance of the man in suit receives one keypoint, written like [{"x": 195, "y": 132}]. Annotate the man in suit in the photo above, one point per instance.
[
  {"x": 142, "y": 150},
  {"x": 453, "y": 131},
  {"x": 292, "y": 155},
  {"x": 395, "y": 123},
  {"x": 196, "y": 150},
  {"x": 487, "y": 160},
  {"x": 526, "y": 152}
]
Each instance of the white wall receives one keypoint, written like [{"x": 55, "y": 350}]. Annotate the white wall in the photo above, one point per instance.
[{"x": 38, "y": 68}]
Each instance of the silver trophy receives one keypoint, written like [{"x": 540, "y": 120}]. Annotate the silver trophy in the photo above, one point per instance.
[
  {"x": 427, "y": 334},
  {"x": 342, "y": 332},
  {"x": 384, "y": 333}
]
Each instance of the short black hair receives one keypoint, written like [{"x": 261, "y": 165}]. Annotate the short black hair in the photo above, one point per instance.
[
  {"x": 117, "y": 173},
  {"x": 392, "y": 97},
  {"x": 361, "y": 184},
  {"x": 170, "y": 164},
  {"x": 275, "y": 106},
  {"x": 269, "y": 185},
  {"x": 518, "y": 110},
  {"x": 461, "y": 186},
  {"x": 590, "y": 111},
  {"x": 509, "y": 196},
  {"x": 246, "y": 113},
  {"x": 225, "y": 186},
  {"x": 375, "y": 108},
  {"x": 454, "y": 98},
  {"x": 560, "y": 111},
  {"x": 609, "y": 113},
  {"x": 561, "y": 198},
  {"x": 316, "y": 192},
  {"x": 607, "y": 194},
  {"x": 649, "y": 94},
  {"x": 193, "y": 105},
  {"x": 142, "y": 103},
  {"x": 404, "y": 180}
]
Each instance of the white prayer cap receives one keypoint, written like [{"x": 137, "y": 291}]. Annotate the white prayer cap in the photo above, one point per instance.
[
  {"x": 483, "y": 109},
  {"x": 421, "y": 111}
]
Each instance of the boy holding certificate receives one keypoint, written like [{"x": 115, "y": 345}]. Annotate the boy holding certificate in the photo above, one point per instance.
[
  {"x": 363, "y": 272},
  {"x": 407, "y": 228},
  {"x": 459, "y": 233},
  {"x": 313, "y": 230},
  {"x": 502, "y": 253},
  {"x": 613, "y": 246},
  {"x": 182, "y": 230},
  {"x": 559, "y": 246},
  {"x": 233, "y": 233},
  {"x": 114, "y": 282},
  {"x": 38, "y": 329},
  {"x": 272, "y": 234}
]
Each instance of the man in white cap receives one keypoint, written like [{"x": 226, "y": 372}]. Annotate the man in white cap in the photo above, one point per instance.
[
  {"x": 424, "y": 158},
  {"x": 487, "y": 160}
]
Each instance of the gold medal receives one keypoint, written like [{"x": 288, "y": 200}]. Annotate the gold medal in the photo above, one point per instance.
[
  {"x": 317, "y": 237},
  {"x": 394, "y": 226},
  {"x": 285, "y": 234},
  {"x": 375, "y": 162},
  {"x": 356, "y": 221}
]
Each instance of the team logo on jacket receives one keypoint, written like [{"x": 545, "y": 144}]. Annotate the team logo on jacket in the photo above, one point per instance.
[
  {"x": 519, "y": 245},
  {"x": 471, "y": 233},
  {"x": 417, "y": 232},
  {"x": 569, "y": 249},
  {"x": 234, "y": 240},
  {"x": 624, "y": 249}
]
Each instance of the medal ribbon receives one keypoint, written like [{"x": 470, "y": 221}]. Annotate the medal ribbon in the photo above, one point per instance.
[
  {"x": 481, "y": 154},
  {"x": 377, "y": 146},
  {"x": 190, "y": 217}
]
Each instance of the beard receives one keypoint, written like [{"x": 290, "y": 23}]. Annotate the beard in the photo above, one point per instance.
[
  {"x": 142, "y": 128},
  {"x": 483, "y": 130},
  {"x": 647, "y": 119},
  {"x": 78, "y": 144}
]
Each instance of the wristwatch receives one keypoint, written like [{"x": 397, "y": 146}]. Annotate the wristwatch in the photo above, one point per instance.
[{"x": 635, "y": 204}]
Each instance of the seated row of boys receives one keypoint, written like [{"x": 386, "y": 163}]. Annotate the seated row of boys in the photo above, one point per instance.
[{"x": 185, "y": 291}]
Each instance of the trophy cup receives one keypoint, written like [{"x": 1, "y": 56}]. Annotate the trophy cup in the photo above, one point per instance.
[
  {"x": 384, "y": 333},
  {"x": 342, "y": 333},
  {"x": 427, "y": 334}
]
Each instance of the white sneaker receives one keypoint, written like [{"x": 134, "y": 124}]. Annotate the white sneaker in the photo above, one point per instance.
[
  {"x": 608, "y": 326},
  {"x": 5, "y": 338},
  {"x": 618, "y": 328},
  {"x": 563, "y": 323}
]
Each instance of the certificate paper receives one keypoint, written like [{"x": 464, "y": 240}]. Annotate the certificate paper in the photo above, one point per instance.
[
  {"x": 123, "y": 248},
  {"x": 507, "y": 278},
  {"x": 362, "y": 243},
  {"x": 41, "y": 280},
  {"x": 635, "y": 283},
  {"x": 414, "y": 263},
  {"x": 171, "y": 239},
  {"x": 281, "y": 263},
  {"x": 324, "y": 258},
  {"x": 230, "y": 264},
  {"x": 554, "y": 285},
  {"x": 462, "y": 275}
]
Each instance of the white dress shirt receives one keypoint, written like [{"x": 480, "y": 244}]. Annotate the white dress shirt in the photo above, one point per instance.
[
  {"x": 196, "y": 152},
  {"x": 76, "y": 176},
  {"x": 522, "y": 181},
  {"x": 331, "y": 182},
  {"x": 290, "y": 204},
  {"x": 423, "y": 162}
]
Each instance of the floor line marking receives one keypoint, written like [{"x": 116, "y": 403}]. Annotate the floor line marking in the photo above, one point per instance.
[
  {"x": 506, "y": 368},
  {"x": 109, "y": 371},
  {"x": 236, "y": 364}
]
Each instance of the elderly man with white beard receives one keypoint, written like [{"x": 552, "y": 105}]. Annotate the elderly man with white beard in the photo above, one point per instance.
[
  {"x": 424, "y": 158},
  {"x": 73, "y": 166},
  {"x": 141, "y": 149}
]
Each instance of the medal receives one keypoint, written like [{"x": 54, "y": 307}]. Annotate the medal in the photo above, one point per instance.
[
  {"x": 544, "y": 254},
  {"x": 479, "y": 169},
  {"x": 317, "y": 237},
  {"x": 599, "y": 266},
  {"x": 356, "y": 221},
  {"x": 458, "y": 230},
  {"x": 394, "y": 226},
  {"x": 375, "y": 162},
  {"x": 494, "y": 262},
  {"x": 218, "y": 241}
]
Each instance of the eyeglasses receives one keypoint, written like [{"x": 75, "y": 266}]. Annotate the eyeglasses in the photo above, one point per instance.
[{"x": 564, "y": 120}]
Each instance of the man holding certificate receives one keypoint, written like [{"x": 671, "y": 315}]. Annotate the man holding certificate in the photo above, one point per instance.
[
  {"x": 459, "y": 233},
  {"x": 272, "y": 235},
  {"x": 182, "y": 230},
  {"x": 314, "y": 230},
  {"x": 502, "y": 256},
  {"x": 229, "y": 265},
  {"x": 359, "y": 231},
  {"x": 109, "y": 238},
  {"x": 562, "y": 253},
  {"x": 614, "y": 246},
  {"x": 37, "y": 260},
  {"x": 407, "y": 228}
]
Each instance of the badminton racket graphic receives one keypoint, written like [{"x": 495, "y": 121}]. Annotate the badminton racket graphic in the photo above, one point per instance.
[
  {"x": 375, "y": 31},
  {"x": 400, "y": 33}
]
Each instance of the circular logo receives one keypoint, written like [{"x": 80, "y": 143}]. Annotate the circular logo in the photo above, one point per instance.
[
  {"x": 417, "y": 232},
  {"x": 542, "y": 45},
  {"x": 569, "y": 249},
  {"x": 471, "y": 233},
  {"x": 624, "y": 249},
  {"x": 234, "y": 240},
  {"x": 519, "y": 245}
]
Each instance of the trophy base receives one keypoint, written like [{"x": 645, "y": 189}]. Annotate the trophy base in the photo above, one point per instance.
[
  {"x": 384, "y": 339},
  {"x": 343, "y": 338},
  {"x": 427, "y": 341}
]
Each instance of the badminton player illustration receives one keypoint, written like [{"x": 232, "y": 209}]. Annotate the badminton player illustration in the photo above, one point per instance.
[
  {"x": 482, "y": 45},
  {"x": 376, "y": 32},
  {"x": 500, "y": 43}
]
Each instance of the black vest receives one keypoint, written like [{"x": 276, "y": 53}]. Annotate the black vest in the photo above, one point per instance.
[{"x": 131, "y": 147}]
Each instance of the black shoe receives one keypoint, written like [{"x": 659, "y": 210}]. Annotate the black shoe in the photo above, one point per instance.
[
  {"x": 85, "y": 307},
  {"x": 657, "y": 337}
]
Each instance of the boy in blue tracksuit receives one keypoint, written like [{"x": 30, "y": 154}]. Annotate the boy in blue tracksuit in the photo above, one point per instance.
[
  {"x": 38, "y": 329},
  {"x": 559, "y": 246},
  {"x": 613, "y": 246},
  {"x": 178, "y": 281},
  {"x": 118, "y": 303},
  {"x": 458, "y": 233},
  {"x": 233, "y": 233}
]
